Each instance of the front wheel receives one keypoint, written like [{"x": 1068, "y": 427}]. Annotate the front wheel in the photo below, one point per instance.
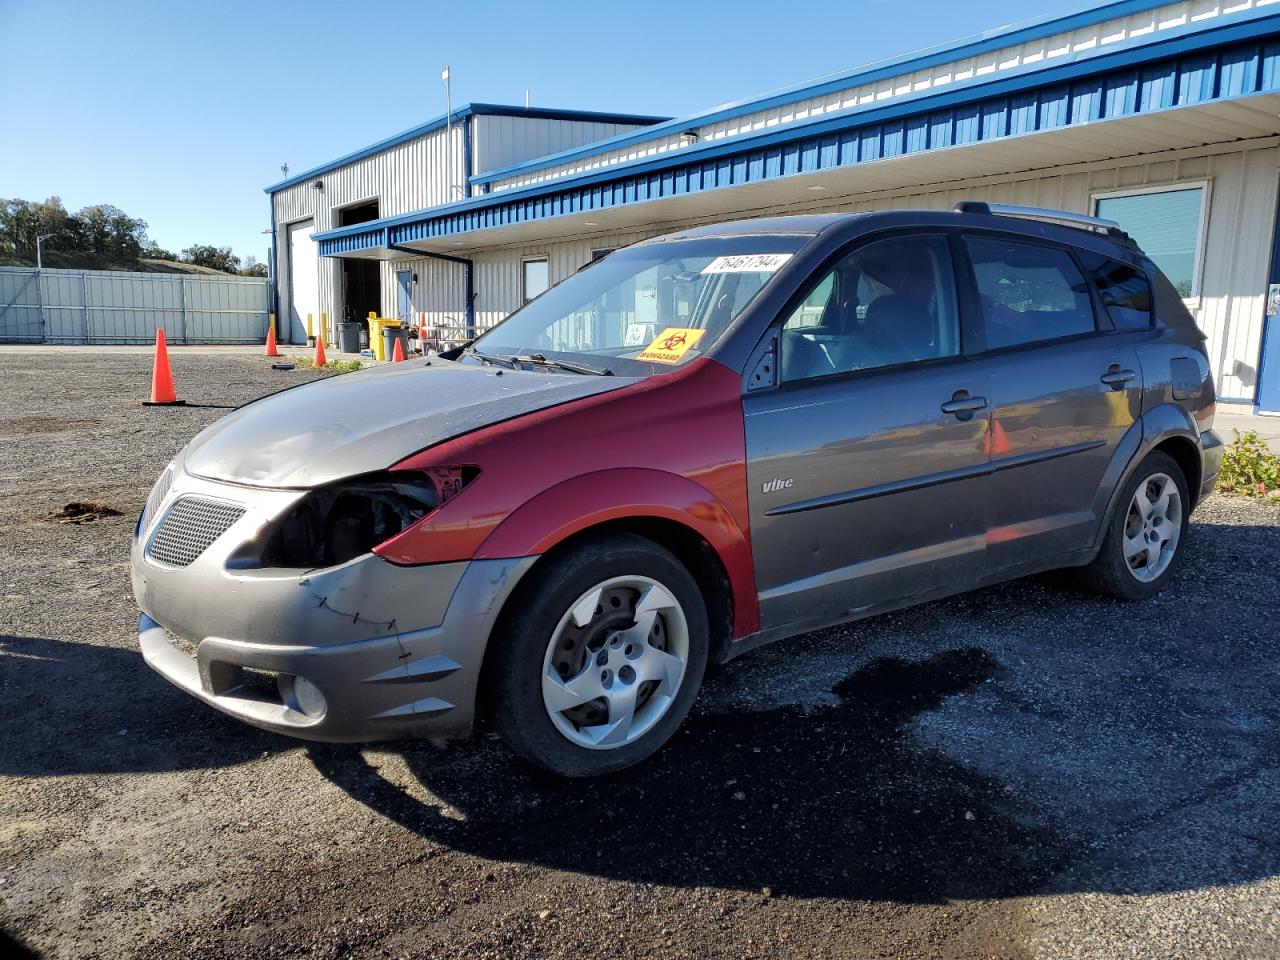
[
  {"x": 599, "y": 657},
  {"x": 1145, "y": 540}
]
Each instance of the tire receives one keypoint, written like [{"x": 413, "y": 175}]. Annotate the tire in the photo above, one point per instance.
[
  {"x": 1113, "y": 572},
  {"x": 597, "y": 630}
]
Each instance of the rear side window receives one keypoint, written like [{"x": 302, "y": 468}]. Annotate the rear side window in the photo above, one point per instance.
[
  {"x": 1029, "y": 293},
  {"x": 1124, "y": 289}
]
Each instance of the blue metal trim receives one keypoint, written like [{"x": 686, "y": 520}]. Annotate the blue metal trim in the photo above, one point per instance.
[
  {"x": 466, "y": 157},
  {"x": 1267, "y": 391},
  {"x": 274, "y": 296},
  {"x": 989, "y": 40},
  {"x": 1124, "y": 83},
  {"x": 471, "y": 109}
]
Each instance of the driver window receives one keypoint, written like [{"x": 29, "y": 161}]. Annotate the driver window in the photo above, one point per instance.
[{"x": 886, "y": 303}]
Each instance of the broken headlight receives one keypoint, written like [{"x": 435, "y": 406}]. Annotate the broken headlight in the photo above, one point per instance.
[{"x": 341, "y": 521}]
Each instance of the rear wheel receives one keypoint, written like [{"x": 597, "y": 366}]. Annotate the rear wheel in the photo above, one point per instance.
[
  {"x": 1145, "y": 540},
  {"x": 600, "y": 657}
]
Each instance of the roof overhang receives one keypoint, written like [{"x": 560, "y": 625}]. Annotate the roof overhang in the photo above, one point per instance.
[{"x": 1216, "y": 87}]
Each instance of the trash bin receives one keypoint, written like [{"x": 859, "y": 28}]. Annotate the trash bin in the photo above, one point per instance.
[
  {"x": 391, "y": 332},
  {"x": 349, "y": 336}
]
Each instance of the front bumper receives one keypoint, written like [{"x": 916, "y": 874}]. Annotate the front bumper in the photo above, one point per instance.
[{"x": 393, "y": 651}]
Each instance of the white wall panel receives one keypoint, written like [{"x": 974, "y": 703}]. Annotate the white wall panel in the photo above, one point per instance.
[
  {"x": 500, "y": 141},
  {"x": 1231, "y": 305}
]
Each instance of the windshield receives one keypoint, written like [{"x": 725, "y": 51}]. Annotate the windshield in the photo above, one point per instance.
[{"x": 644, "y": 308}]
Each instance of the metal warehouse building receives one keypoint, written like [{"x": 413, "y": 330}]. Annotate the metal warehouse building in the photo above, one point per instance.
[{"x": 1164, "y": 116}]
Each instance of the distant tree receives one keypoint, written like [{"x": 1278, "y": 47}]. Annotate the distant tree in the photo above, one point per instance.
[
  {"x": 98, "y": 237},
  {"x": 22, "y": 221},
  {"x": 252, "y": 268},
  {"x": 216, "y": 258},
  {"x": 153, "y": 251}
]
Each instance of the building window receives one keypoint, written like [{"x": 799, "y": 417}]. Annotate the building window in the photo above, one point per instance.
[
  {"x": 601, "y": 254},
  {"x": 537, "y": 277},
  {"x": 1168, "y": 224}
]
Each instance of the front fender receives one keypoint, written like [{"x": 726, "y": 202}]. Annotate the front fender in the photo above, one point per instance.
[{"x": 596, "y": 498}]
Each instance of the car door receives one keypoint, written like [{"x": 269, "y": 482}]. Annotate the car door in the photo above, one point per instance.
[
  {"x": 865, "y": 465},
  {"x": 1065, "y": 388}
]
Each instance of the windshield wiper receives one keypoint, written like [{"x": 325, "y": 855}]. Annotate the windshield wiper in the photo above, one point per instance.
[
  {"x": 489, "y": 358},
  {"x": 541, "y": 360}
]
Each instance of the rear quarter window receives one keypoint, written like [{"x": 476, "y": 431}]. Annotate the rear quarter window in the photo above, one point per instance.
[{"x": 1124, "y": 289}]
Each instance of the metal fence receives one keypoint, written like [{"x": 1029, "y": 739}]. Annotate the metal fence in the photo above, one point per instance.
[{"x": 106, "y": 306}]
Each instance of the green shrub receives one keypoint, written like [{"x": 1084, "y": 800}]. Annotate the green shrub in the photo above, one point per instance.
[
  {"x": 1249, "y": 467},
  {"x": 337, "y": 366}
]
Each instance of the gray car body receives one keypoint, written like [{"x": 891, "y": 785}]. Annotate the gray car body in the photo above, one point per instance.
[{"x": 891, "y": 501}]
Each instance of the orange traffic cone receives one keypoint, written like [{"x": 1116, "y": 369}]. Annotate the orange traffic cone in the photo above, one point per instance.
[
  {"x": 162, "y": 394},
  {"x": 271, "y": 350},
  {"x": 397, "y": 355},
  {"x": 319, "y": 360}
]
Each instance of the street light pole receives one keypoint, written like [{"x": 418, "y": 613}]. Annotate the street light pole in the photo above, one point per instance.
[{"x": 40, "y": 240}]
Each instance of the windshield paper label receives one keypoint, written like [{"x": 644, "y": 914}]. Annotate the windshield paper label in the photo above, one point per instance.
[
  {"x": 671, "y": 345},
  {"x": 747, "y": 263}
]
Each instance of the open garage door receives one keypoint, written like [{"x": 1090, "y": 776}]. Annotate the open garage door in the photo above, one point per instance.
[{"x": 304, "y": 288}]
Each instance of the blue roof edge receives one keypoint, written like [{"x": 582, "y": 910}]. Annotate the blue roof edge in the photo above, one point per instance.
[
  {"x": 1256, "y": 22},
  {"x": 1018, "y": 32},
  {"x": 469, "y": 110}
]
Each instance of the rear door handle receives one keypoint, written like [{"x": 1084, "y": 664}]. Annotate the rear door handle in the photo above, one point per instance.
[
  {"x": 962, "y": 404},
  {"x": 1116, "y": 378}
]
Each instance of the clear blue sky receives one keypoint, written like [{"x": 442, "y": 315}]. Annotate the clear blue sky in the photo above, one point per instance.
[{"x": 181, "y": 112}]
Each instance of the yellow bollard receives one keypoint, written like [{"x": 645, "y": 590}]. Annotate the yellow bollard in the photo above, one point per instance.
[
  {"x": 311, "y": 337},
  {"x": 329, "y": 337},
  {"x": 375, "y": 336}
]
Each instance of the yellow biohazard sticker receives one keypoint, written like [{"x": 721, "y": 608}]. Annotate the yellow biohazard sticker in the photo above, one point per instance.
[{"x": 671, "y": 344}]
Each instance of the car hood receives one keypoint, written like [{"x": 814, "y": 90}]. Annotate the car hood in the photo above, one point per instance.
[{"x": 365, "y": 421}]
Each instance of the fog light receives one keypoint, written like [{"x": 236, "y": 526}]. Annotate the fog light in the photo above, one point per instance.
[{"x": 307, "y": 698}]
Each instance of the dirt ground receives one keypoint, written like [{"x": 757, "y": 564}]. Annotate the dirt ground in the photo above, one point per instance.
[{"x": 1025, "y": 771}]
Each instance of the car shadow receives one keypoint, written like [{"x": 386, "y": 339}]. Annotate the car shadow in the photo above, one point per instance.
[
  {"x": 831, "y": 802},
  {"x": 77, "y": 708}
]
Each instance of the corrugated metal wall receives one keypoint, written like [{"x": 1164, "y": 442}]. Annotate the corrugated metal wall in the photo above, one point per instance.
[
  {"x": 411, "y": 176},
  {"x": 420, "y": 173},
  {"x": 1230, "y": 308},
  {"x": 1045, "y": 52},
  {"x": 499, "y": 141},
  {"x": 92, "y": 306}
]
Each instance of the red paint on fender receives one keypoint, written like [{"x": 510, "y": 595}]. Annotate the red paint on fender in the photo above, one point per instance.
[{"x": 671, "y": 446}]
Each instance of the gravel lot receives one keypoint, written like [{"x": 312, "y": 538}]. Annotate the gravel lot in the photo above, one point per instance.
[{"x": 1021, "y": 772}]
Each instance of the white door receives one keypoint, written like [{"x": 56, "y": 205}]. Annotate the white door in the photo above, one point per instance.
[{"x": 304, "y": 287}]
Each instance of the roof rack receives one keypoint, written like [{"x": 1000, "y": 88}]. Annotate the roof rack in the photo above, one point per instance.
[{"x": 1064, "y": 217}]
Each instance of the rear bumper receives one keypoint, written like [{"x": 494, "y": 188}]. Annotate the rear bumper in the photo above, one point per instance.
[{"x": 1211, "y": 451}]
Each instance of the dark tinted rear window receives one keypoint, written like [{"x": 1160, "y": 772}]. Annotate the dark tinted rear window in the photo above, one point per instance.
[{"x": 1124, "y": 289}]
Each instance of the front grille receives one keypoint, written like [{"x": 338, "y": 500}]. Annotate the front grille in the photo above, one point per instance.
[
  {"x": 158, "y": 493},
  {"x": 189, "y": 527}
]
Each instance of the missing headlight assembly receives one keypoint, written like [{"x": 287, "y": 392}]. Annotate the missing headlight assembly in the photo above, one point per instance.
[{"x": 344, "y": 520}]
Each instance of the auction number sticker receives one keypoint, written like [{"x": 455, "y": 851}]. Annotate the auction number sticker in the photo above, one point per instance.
[
  {"x": 671, "y": 344},
  {"x": 747, "y": 263}
]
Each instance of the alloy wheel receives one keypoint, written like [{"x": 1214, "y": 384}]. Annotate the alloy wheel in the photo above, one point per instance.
[
  {"x": 1152, "y": 527},
  {"x": 615, "y": 662}
]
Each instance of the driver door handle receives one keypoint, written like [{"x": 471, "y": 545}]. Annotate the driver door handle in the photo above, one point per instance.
[{"x": 964, "y": 404}]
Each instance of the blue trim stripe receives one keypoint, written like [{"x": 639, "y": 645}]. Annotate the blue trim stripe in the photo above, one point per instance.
[
  {"x": 1067, "y": 95},
  {"x": 972, "y": 46},
  {"x": 470, "y": 110}
]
